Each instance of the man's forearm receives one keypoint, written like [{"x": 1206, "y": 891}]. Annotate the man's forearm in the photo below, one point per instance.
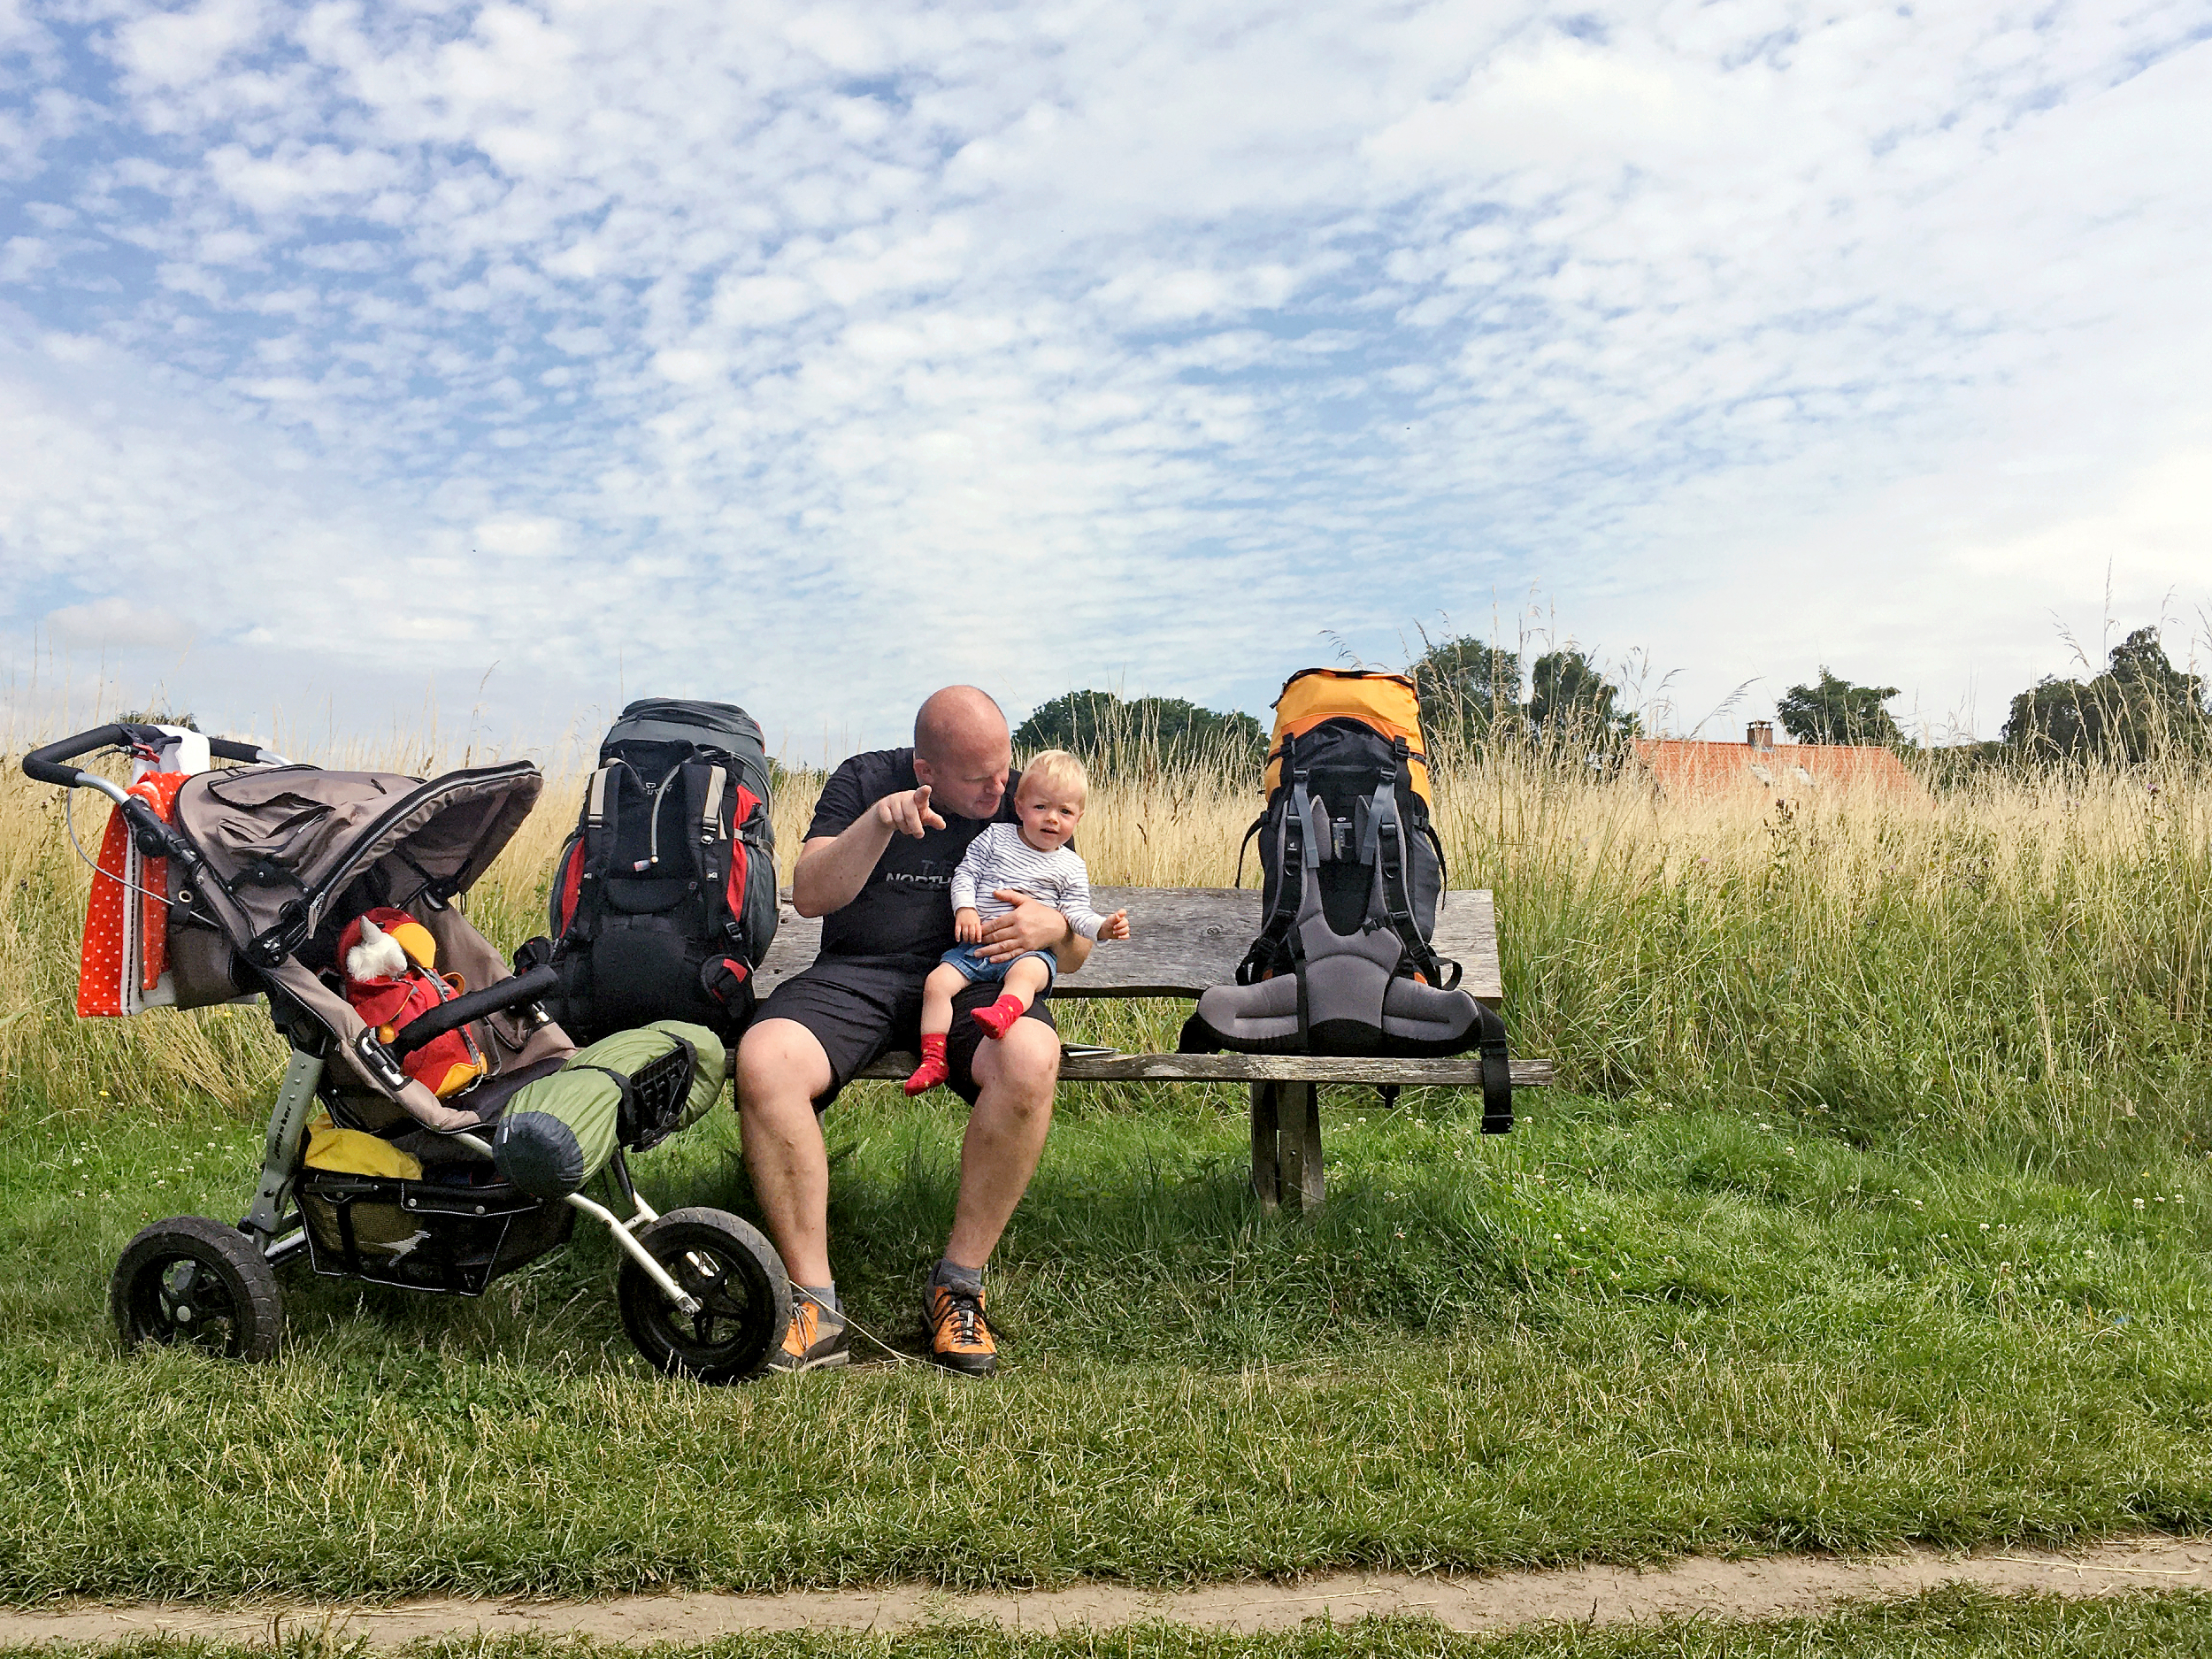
[
  {"x": 833, "y": 869},
  {"x": 1074, "y": 951}
]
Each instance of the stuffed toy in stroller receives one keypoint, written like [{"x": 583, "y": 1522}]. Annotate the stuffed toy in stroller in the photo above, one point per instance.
[{"x": 391, "y": 979}]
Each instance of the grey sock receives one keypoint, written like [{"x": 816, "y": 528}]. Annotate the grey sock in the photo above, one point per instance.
[
  {"x": 967, "y": 1281},
  {"x": 823, "y": 1296}
]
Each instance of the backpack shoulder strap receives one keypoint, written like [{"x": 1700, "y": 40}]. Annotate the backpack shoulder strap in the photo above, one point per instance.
[
  {"x": 597, "y": 831},
  {"x": 706, "y": 794}
]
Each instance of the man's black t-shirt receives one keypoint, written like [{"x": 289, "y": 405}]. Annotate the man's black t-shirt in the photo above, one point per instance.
[{"x": 903, "y": 916}]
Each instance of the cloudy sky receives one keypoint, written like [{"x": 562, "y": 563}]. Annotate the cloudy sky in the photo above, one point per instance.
[{"x": 810, "y": 356}]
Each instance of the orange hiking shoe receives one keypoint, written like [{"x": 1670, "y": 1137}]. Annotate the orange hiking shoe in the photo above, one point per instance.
[
  {"x": 959, "y": 1340},
  {"x": 817, "y": 1339}
]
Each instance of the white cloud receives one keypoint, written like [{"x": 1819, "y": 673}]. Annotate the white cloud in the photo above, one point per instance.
[
  {"x": 112, "y": 622},
  {"x": 175, "y": 49},
  {"x": 907, "y": 327}
]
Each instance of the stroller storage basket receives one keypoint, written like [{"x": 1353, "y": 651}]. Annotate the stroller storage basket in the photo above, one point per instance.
[{"x": 424, "y": 1235}]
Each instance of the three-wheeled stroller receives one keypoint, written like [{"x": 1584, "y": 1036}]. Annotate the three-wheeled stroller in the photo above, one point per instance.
[{"x": 218, "y": 884}]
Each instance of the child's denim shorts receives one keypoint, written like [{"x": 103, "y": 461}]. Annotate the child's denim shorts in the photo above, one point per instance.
[{"x": 979, "y": 969}]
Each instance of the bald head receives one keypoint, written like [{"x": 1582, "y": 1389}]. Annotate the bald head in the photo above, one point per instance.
[
  {"x": 963, "y": 750},
  {"x": 956, "y": 719}
]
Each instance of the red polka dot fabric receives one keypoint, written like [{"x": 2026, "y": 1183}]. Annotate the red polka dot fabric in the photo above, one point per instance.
[{"x": 103, "y": 975}]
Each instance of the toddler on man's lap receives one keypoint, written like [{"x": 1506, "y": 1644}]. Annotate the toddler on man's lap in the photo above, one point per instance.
[{"x": 1033, "y": 857}]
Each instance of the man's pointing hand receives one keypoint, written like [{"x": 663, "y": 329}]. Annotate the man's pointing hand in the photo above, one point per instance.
[{"x": 909, "y": 813}]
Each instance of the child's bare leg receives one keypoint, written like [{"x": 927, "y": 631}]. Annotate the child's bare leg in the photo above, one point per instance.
[
  {"x": 944, "y": 983},
  {"x": 1022, "y": 983},
  {"x": 937, "y": 990}
]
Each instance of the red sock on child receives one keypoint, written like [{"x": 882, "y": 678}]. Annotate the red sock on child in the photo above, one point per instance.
[
  {"x": 999, "y": 1019},
  {"x": 933, "y": 1069}
]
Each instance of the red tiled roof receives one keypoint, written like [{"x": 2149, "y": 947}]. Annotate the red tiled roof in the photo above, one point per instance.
[{"x": 1681, "y": 765}]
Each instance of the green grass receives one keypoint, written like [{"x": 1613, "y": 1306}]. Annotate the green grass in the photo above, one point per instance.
[
  {"x": 1955, "y": 1623},
  {"x": 1622, "y": 1333}
]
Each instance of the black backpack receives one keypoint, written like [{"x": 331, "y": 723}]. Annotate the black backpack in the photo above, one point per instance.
[
  {"x": 1351, "y": 874},
  {"x": 664, "y": 897}
]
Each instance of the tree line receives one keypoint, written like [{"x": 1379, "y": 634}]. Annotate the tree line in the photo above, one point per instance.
[{"x": 1475, "y": 695}]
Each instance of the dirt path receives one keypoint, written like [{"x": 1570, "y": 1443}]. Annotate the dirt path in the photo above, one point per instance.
[{"x": 1776, "y": 1587}]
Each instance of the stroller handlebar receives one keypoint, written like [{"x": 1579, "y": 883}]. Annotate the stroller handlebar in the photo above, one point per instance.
[
  {"x": 462, "y": 1010},
  {"x": 48, "y": 762}
]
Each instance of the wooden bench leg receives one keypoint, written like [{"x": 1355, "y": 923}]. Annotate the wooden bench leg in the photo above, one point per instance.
[
  {"x": 1287, "y": 1145},
  {"x": 1298, "y": 1144},
  {"x": 1265, "y": 1175}
]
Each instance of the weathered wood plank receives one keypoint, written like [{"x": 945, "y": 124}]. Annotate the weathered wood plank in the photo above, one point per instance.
[
  {"x": 1186, "y": 939},
  {"x": 1302, "y": 1177},
  {"x": 1459, "y": 1071},
  {"x": 1266, "y": 1179}
]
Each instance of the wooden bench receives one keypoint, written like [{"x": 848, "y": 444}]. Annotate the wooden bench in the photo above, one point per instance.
[{"x": 1186, "y": 939}]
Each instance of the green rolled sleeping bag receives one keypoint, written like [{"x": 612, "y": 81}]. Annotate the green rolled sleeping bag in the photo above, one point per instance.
[{"x": 559, "y": 1132}]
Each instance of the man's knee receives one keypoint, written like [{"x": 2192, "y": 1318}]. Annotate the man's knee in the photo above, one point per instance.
[
  {"x": 1023, "y": 1068},
  {"x": 780, "y": 1061}
]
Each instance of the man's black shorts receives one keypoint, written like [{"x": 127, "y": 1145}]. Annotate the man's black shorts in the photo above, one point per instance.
[{"x": 860, "y": 1011}]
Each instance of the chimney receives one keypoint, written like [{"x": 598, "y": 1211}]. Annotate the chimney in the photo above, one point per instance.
[{"x": 1759, "y": 735}]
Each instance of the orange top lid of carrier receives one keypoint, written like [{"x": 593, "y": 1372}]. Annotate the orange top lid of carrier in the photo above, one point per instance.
[{"x": 1388, "y": 703}]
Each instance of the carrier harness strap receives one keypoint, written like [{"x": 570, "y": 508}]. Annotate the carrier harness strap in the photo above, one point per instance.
[
  {"x": 1386, "y": 826},
  {"x": 1497, "y": 1073},
  {"x": 1298, "y": 854},
  {"x": 1270, "y": 951},
  {"x": 1254, "y": 829}
]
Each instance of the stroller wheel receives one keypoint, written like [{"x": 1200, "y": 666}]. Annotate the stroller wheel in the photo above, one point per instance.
[
  {"x": 194, "y": 1280},
  {"x": 735, "y": 1276}
]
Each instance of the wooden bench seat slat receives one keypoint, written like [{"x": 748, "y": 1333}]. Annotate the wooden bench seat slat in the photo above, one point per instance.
[
  {"x": 1457, "y": 1072},
  {"x": 1186, "y": 939}
]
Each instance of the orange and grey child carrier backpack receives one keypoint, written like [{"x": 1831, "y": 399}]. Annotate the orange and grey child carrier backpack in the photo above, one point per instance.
[
  {"x": 663, "y": 899},
  {"x": 1351, "y": 875}
]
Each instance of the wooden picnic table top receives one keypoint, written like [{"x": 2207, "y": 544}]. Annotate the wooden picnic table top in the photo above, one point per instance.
[{"x": 1184, "y": 939}]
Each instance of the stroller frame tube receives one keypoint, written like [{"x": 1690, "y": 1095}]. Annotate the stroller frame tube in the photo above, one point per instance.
[
  {"x": 625, "y": 1236},
  {"x": 281, "y": 1151}
]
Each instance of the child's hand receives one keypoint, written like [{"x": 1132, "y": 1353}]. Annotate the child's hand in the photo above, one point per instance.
[
  {"x": 967, "y": 926},
  {"x": 1115, "y": 926}
]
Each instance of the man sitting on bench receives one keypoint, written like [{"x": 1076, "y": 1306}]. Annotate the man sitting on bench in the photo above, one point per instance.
[{"x": 877, "y": 866}]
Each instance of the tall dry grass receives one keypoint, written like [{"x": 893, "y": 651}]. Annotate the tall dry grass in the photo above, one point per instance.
[{"x": 2022, "y": 957}]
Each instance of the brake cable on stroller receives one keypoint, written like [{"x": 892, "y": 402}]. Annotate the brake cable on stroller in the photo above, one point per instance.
[{"x": 69, "y": 823}]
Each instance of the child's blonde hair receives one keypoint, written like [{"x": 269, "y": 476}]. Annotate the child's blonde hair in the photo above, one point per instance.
[{"x": 1058, "y": 771}]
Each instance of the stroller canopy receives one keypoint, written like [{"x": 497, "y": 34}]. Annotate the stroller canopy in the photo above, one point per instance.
[{"x": 283, "y": 837}]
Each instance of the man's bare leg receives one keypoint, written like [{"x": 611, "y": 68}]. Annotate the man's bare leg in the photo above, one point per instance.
[
  {"x": 1005, "y": 1137},
  {"x": 780, "y": 1068}
]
